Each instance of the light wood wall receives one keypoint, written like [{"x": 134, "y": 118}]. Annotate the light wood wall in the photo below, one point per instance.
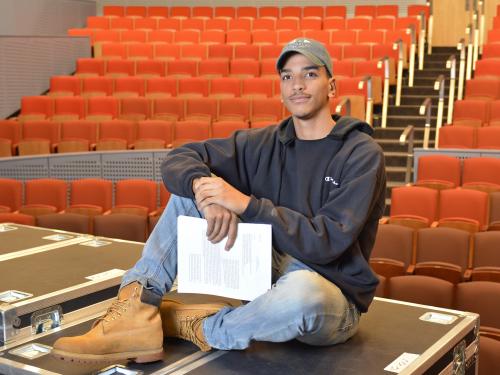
[{"x": 451, "y": 19}]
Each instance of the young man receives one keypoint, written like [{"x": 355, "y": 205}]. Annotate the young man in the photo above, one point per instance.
[{"x": 318, "y": 180}]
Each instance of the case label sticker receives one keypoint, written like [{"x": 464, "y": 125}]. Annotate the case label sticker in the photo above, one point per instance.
[
  {"x": 402, "y": 362},
  {"x": 439, "y": 318},
  {"x": 6, "y": 228},
  {"x": 96, "y": 243},
  {"x": 115, "y": 272},
  {"x": 58, "y": 237}
]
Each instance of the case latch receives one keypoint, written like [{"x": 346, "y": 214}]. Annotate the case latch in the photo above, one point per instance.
[
  {"x": 459, "y": 358},
  {"x": 46, "y": 319}
]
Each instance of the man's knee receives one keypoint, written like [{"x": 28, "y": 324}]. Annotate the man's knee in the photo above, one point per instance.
[
  {"x": 183, "y": 205},
  {"x": 310, "y": 292}
]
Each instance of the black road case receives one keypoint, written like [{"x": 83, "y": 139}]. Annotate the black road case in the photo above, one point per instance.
[
  {"x": 38, "y": 287},
  {"x": 392, "y": 335},
  {"x": 17, "y": 240}
]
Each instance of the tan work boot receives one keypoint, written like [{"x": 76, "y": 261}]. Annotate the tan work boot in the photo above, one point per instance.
[
  {"x": 185, "y": 321},
  {"x": 130, "y": 330}
]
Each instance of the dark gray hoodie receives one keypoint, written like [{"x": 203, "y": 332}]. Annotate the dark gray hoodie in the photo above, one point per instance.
[{"x": 323, "y": 198}]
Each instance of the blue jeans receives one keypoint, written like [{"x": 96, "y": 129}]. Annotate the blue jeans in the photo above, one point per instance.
[{"x": 301, "y": 304}]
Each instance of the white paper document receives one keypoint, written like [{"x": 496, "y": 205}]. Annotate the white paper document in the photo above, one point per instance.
[{"x": 244, "y": 272}]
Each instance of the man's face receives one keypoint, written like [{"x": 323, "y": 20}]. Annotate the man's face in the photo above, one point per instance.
[{"x": 305, "y": 87}]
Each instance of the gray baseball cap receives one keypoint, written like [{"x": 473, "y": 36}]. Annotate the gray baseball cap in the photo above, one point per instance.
[{"x": 312, "y": 49}]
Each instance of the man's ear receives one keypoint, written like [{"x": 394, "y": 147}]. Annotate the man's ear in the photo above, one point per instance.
[{"x": 332, "y": 90}]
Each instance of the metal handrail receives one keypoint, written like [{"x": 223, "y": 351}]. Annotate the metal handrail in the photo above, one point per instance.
[
  {"x": 430, "y": 27},
  {"x": 411, "y": 69},
  {"x": 451, "y": 64},
  {"x": 384, "y": 62},
  {"x": 344, "y": 102},
  {"x": 439, "y": 84},
  {"x": 461, "y": 74},
  {"x": 482, "y": 24},
  {"x": 469, "y": 32},
  {"x": 475, "y": 18},
  {"x": 408, "y": 136},
  {"x": 369, "y": 97},
  {"x": 398, "y": 45},
  {"x": 421, "y": 41},
  {"x": 425, "y": 110}
]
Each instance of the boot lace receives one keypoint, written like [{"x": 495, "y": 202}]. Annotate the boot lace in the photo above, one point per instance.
[
  {"x": 188, "y": 328},
  {"x": 114, "y": 311}
]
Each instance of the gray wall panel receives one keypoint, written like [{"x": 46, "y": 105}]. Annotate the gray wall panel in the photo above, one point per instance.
[
  {"x": 43, "y": 17},
  {"x": 27, "y": 63}
]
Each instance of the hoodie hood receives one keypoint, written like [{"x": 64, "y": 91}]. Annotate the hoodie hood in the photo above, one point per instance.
[{"x": 343, "y": 126}]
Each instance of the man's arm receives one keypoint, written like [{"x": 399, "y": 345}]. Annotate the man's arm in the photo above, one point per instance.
[
  {"x": 185, "y": 165},
  {"x": 324, "y": 237},
  {"x": 222, "y": 157}
]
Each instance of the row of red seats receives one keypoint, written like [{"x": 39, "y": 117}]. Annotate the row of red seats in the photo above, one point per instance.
[
  {"x": 448, "y": 172},
  {"x": 357, "y": 56},
  {"x": 249, "y": 24},
  {"x": 245, "y": 37},
  {"x": 163, "y": 86},
  {"x": 447, "y": 253},
  {"x": 476, "y": 112},
  {"x": 263, "y": 11},
  {"x": 90, "y": 209},
  {"x": 90, "y": 196},
  {"x": 44, "y": 136},
  {"x": 421, "y": 207},
  {"x": 209, "y": 68},
  {"x": 77, "y": 107},
  {"x": 457, "y": 136},
  {"x": 126, "y": 226}
]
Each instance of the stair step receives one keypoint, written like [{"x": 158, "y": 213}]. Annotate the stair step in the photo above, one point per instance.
[
  {"x": 434, "y": 73},
  {"x": 409, "y": 110},
  {"x": 415, "y": 100},
  {"x": 422, "y": 90},
  {"x": 394, "y": 132}
]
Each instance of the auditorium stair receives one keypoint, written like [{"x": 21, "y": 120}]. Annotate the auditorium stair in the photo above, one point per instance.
[{"x": 399, "y": 117}]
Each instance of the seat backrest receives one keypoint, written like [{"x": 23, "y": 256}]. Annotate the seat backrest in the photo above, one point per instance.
[
  {"x": 48, "y": 191},
  {"x": 394, "y": 242},
  {"x": 17, "y": 218},
  {"x": 95, "y": 191},
  {"x": 155, "y": 129},
  {"x": 489, "y": 349},
  {"x": 11, "y": 193},
  {"x": 448, "y": 245},
  {"x": 136, "y": 192},
  {"x": 425, "y": 290},
  {"x": 495, "y": 207},
  {"x": 118, "y": 129},
  {"x": 414, "y": 200},
  {"x": 481, "y": 169},
  {"x": 123, "y": 226},
  {"x": 457, "y": 137},
  {"x": 482, "y": 297},
  {"x": 464, "y": 203},
  {"x": 471, "y": 109},
  {"x": 439, "y": 167},
  {"x": 67, "y": 221},
  {"x": 486, "y": 251},
  {"x": 489, "y": 137}
]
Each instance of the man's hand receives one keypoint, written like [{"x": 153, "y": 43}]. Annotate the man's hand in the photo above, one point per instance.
[
  {"x": 221, "y": 223},
  {"x": 214, "y": 190}
]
